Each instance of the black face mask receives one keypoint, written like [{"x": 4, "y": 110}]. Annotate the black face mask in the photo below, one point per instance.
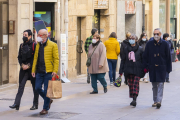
[{"x": 25, "y": 39}]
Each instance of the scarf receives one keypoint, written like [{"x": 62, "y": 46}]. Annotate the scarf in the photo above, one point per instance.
[
  {"x": 95, "y": 44},
  {"x": 132, "y": 51}
]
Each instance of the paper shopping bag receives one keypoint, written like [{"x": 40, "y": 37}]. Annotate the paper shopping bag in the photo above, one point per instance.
[{"x": 54, "y": 89}]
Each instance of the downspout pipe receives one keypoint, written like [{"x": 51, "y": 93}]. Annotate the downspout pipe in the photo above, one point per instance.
[
  {"x": 66, "y": 32},
  {"x": 143, "y": 6}
]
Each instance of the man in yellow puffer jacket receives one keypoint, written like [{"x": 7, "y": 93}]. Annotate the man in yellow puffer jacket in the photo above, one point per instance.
[
  {"x": 45, "y": 65},
  {"x": 112, "y": 52}
]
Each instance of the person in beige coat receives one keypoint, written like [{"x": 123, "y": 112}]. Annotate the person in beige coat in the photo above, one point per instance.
[{"x": 99, "y": 65}]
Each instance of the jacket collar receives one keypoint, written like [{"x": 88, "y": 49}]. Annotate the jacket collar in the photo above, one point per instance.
[
  {"x": 112, "y": 38},
  {"x": 46, "y": 43},
  {"x": 159, "y": 43}
]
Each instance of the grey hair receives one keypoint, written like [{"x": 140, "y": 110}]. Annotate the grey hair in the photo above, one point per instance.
[{"x": 159, "y": 29}]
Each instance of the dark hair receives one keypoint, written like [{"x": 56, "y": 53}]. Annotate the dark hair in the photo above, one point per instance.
[
  {"x": 165, "y": 35},
  {"x": 29, "y": 32},
  {"x": 113, "y": 35},
  {"x": 93, "y": 31},
  {"x": 142, "y": 35}
]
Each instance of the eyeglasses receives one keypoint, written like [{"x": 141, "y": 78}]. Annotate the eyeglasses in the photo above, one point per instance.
[
  {"x": 156, "y": 34},
  {"x": 41, "y": 35}
]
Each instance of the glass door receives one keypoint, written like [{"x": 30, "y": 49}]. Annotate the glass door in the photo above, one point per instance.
[{"x": 4, "y": 46}]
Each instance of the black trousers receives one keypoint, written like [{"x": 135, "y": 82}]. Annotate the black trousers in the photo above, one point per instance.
[{"x": 21, "y": 90}]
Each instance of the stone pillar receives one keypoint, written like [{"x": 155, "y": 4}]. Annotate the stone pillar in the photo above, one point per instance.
[
  {"x": 121, "y": 20},
  {"x": 168, "y": 16},
  {"x": 57, "y": 29},
  {"x": 155, "y": 13},
  {"x": 138, "y": 18},
  {"x": 13, "y": 44}
]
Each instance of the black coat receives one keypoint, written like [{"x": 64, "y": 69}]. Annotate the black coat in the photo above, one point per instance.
[
  {"x": 143, "y": 44},
  {"x": 128, "y": 66},
  {"x": 123, "y": 46},
  {"x": 27, "y": 61},
  {"x": 157, "y": 60}
]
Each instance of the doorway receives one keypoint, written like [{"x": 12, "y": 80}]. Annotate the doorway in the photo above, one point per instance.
[
  {"x": 96, "y": 20},
  {"x": 4, "y": 46},
  {"x": 45, "y": 11}
]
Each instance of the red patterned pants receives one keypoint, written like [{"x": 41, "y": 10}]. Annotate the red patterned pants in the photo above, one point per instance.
[{"x": 133, "y": 82}]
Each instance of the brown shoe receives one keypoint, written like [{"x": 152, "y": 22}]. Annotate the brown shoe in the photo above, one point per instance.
[
  {"x": 50, "y": 103},
  {"x": 43, "y": 112},
  {"x": 154, "y": 105}
]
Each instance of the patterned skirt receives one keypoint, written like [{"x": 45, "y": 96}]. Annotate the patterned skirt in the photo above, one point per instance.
[{"x": 133, "y": 82}]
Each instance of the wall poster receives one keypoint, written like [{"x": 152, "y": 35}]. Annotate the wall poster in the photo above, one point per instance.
[{"x": 130, "y": 7}]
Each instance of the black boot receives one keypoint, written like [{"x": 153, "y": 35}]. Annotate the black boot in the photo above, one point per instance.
[
  {"x": 105, "y": 90},
  {"x": 133, "y": 103},
  {"x": 34, "y": 107},
  {"x": 167, "y": 80},
  {"x": 125, "y": 81},
  {"x": 14, "y": 106},
  {"x": 88, "y": 78}
]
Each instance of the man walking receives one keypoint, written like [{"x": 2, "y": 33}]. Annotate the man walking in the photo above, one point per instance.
[
  {"x": 46, "y": 59},
  {"x": 157, "y": 61},
  {"x": 86, "y": 47}
]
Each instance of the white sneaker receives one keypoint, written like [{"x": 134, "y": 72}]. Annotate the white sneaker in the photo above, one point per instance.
[
  {"x": 111, "y": 83},
  {"x": 146, "y": 81},
  {"x": 141, "y": 80}
]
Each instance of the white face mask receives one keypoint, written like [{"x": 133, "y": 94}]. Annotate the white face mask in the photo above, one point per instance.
[
  {"x": 156, "y": 37},
  {"x": 39, "y": 39},
  {"x": 168, "y": 38},
  {"x": 94, "y": 41},
  {"x": 144, "y": 39}
]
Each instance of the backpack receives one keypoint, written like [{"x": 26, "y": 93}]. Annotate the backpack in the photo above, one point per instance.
[{"x": 32, "y": 47}]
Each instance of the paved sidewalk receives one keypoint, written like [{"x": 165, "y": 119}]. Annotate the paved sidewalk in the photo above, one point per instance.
[{"x": 78, "y": 104}]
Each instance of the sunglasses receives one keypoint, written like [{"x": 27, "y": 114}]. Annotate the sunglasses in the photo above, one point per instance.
[{"x": 156, "y": 34}]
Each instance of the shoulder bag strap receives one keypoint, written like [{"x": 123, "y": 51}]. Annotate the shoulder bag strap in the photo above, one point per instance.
[{"x": 93, "y": 51}]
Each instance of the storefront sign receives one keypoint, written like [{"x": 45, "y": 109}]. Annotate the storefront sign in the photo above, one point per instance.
[
  {"x": 63, "y": 56},
  {"x": 130, "y": 7},
  {"x": 45, "y": 0},
  {"x": 101, "y": 4}
]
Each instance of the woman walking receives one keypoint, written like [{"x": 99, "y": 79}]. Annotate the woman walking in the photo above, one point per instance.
[
  {"x": 112, "y": 52},
  {"x": 123, "y": 46},
  {"x": 99, "y": 66},
  {"x": 25, "y": 58},
  {"x": 131, "y": 66},
  {"x": 142, "y": 42}
]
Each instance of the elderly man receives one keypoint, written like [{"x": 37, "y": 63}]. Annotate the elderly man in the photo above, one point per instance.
[
  {"x": 157, "y": 61},
  {"x": 46, "y": 59}
]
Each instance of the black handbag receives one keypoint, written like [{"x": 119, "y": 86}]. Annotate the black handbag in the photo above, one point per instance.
[{"x": 88, "y": 62}]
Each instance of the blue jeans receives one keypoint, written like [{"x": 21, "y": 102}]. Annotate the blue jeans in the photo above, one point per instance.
[
  {"x": 112, "y": 69},
  {"x": 43, "y": 78},
  {"x": 100, "y": 77}
]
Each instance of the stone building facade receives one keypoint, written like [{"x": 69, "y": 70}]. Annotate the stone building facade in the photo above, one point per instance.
[{"x": 83, "y": 16}]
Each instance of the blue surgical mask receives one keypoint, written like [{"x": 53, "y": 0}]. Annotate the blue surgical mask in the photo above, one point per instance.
[
  {"x": 144, "y": 39},
  {"x": 132, "y": 41}
]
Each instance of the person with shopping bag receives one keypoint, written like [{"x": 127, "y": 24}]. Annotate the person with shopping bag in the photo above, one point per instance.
[
  {"x": 46, "y": 64},
  {"x": 97, "y": 63},
  {"x": 132, "y": 67}
]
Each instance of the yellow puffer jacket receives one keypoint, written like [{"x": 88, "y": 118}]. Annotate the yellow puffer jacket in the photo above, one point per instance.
[
  {"x": 112, "y": 48},
  {"x": 51, "y": 57}
]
